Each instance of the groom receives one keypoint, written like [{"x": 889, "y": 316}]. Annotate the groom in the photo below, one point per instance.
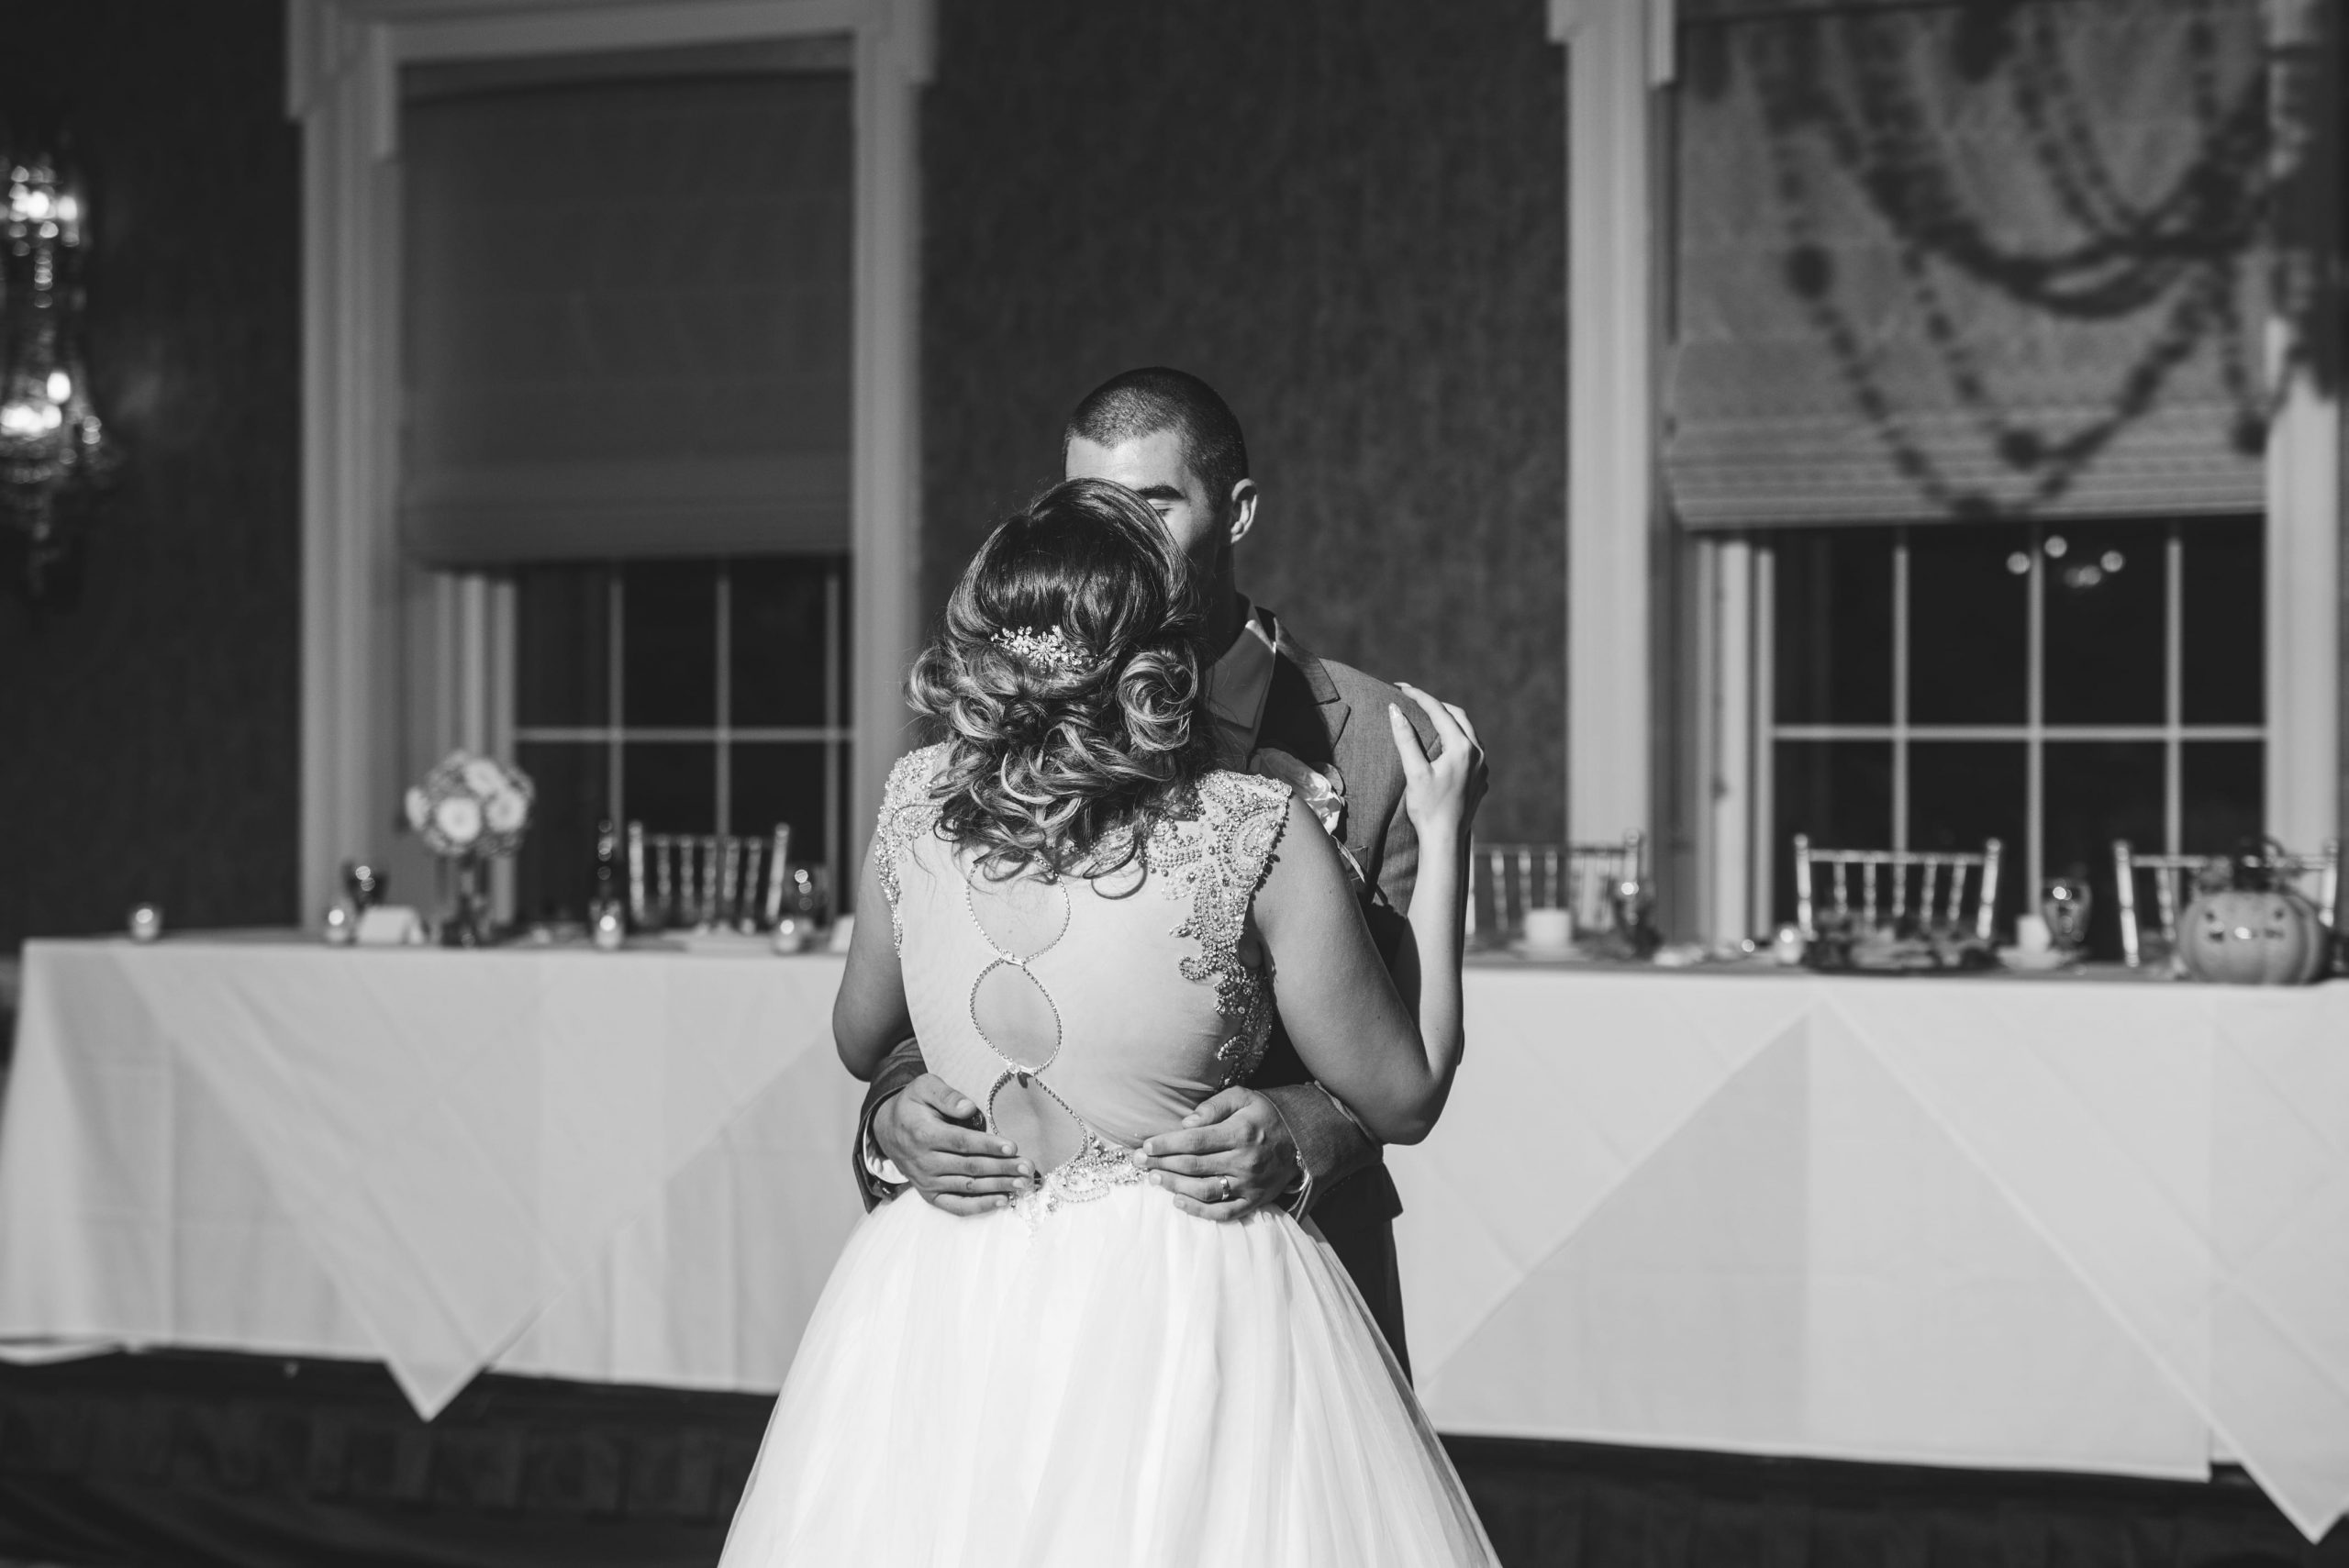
[{"x": 1273, "y": 709}]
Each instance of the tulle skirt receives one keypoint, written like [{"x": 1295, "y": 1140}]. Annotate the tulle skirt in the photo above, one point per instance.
[{"x": 1115, "y": 1384}]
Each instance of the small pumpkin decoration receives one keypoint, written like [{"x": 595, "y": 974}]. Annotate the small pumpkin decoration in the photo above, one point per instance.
[{"x": 2253, "y": 928}]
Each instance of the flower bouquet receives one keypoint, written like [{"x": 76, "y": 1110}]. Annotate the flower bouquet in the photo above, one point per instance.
[{"x": 467, "y": 809}]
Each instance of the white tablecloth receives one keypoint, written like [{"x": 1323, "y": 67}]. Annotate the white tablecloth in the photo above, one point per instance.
[
  {"x": 2015, "y": 1223},
  {"x": 625, "y": 1167},
  {"x": 1994, "y": 1222}
]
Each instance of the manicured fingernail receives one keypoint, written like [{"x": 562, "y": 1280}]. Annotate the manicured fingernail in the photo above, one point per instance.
[
  {"x": 1138, "y": 1159},
  {"x": 1150, "y": 1146},
  {"x": 1006, "y": 1149},
  {"x": 1025, "y": 1169},
  {"x": 1003, "y": 1202},
  {"x": 1156, "y": 1180},
  {"x": 1190, "y": 1121}
]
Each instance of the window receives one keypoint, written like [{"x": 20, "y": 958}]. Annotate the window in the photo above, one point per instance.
[
  {"x": 2054, "y": 685},
  {"x": 693, "y": 696}
]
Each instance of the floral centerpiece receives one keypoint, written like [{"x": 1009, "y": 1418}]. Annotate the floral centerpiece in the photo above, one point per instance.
[{"x": 467, "y": 809}]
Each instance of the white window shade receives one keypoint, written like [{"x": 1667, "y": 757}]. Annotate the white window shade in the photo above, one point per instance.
[
  {"x": 1947, "y": 262},
  {"x": 627, "y": 308}
]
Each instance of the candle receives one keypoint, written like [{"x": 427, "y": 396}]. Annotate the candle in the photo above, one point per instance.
[{"x": 1549, "y": 930}]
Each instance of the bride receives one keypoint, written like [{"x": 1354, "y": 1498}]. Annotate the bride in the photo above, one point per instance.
[{"x": 1090, "y": 928}]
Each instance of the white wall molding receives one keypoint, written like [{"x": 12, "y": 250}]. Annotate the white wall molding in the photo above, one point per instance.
[
  {"x": 396, "y": 662},
  {"x": 2304, "y": 607},
  {"x": 1617, "y": 50},
  {"x": 2304, "y": 500}
]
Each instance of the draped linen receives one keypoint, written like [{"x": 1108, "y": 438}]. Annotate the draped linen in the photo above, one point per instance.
[{"x": 1941, "y": 263}]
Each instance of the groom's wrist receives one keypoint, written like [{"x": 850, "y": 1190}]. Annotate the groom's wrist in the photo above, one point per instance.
[
  {"x": 886, "y": 1177},
  {"x": 1296, "y": 1193}
]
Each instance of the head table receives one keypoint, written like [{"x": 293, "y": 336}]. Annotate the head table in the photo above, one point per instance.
[{"x": 2011, "y": 1222}]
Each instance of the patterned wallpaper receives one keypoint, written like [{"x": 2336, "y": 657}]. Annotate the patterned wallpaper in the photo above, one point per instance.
[
  {"x": 1348, "y": 216},
  {"x": 147, "y": 733}
]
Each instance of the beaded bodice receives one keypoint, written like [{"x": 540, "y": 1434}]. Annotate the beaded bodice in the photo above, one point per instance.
[{"x": 1082, "y": 1012}]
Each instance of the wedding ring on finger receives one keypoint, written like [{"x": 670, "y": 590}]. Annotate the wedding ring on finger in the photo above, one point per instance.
[{"x": 1227, "y": 1190}]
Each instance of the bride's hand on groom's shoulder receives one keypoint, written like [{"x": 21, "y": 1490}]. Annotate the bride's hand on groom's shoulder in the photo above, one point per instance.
[
  {"x": 932, "y": 1135},
  {"x": 1442, "y": 792}
]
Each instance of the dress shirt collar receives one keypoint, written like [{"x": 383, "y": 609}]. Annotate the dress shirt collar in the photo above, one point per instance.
[{"x": 1237, "y": 685}]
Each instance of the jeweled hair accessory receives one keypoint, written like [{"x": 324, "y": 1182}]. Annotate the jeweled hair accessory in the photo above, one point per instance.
[{"x": 1049, "y": 648}]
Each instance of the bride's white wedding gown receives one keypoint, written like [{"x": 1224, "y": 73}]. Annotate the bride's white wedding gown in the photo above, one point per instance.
[{"x": 1092, "y": 1377}]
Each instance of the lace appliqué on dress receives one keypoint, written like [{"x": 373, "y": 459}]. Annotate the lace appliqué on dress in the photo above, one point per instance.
[
  {"x": 907, "y": 813},
  {"x": 1219, "y": 860},
  {"x": 1089, "y": 1174}
]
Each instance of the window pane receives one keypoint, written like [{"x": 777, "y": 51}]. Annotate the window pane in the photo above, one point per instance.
[
  {"x": 2224, "y": 785},
  {"x": 782, "y": 781},
  {"x": 1839, "y": 792},
  {"x": 779, "y": 637},
  {"x": 563, "y": 620},
  {"x": 670, "y": 786},
  {"x": 1962, "y": 793},
  {"x": 669, "y": 646},
  {"x": 2224, "y": 673},
  {"x": 1969, "y": 649},
  {"x": 1834, "y": 653},
  {"x": 556, "y": 864},
  {"x": 2104, "y": 594},
  {"x": 2096, "y": 791}
]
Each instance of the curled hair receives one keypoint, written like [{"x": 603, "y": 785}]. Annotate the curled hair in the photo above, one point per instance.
[{"x": 1063, "y": 763}]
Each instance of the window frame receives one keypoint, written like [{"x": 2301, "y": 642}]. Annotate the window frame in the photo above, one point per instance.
[
  {"x": 2034, "y": 733},
  {"x": 835, "y": 734},
  {"x": 1660, "y": 648},
  {"x": 400, "y": 663}
]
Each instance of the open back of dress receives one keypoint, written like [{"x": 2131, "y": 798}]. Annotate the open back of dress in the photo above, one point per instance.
[{"x": 1085, "y": 1013}]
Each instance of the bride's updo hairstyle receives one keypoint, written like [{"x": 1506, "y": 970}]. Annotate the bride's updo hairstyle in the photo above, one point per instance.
[{"x": 1065, "y": 677}]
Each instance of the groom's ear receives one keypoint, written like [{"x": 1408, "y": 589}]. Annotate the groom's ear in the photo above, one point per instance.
[{"x": 1244, "y": 497}]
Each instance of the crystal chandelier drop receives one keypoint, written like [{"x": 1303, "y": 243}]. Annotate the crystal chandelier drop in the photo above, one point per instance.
[{"x": 53, "y": 447}]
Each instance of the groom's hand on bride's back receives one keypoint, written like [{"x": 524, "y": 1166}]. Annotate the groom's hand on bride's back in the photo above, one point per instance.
[
  {"x": 1231, "y": 1157},
  {"x": 938, "y": 1140}
]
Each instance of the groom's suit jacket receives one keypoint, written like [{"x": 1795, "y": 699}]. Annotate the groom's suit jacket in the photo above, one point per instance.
[{"x": 1328, "y": 719}]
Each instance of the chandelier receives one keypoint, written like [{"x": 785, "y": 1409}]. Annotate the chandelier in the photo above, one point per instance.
[{"x": 53, "y": 448}]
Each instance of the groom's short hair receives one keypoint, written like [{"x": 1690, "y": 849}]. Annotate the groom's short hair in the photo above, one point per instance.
[{"x": 1143, "y": 402}]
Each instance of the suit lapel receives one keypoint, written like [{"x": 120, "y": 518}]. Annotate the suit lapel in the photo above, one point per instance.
[{"x": 1335, "y": 709}]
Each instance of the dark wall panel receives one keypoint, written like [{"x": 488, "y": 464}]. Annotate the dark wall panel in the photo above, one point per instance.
[
  {"x": 1348, "y": 215},
  {"x": 148, "y": 735}
]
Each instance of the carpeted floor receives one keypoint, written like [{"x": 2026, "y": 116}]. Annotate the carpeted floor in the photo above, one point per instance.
[{"x": 185, "y": 1461}]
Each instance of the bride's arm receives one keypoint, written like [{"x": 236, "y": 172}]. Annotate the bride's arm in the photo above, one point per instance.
[
  {"x": 870, "y": 1015},
  {"x": 1391, "y": 1064}
]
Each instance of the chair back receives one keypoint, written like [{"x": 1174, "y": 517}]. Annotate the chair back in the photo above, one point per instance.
[
  {"x": 2168, "y": 875},
  {"x": 1884, "y": 878},
  {"x": 709, "y": 880},
  {"x": 1505, "y": 880}
]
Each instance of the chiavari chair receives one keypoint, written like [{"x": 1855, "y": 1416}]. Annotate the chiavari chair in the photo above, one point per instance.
[
  {"x": 2171, "y": 876},
  {"x": 1884, "y": 876},
  {"x": 1507, "y": 879},
  {"x": 709, "y": 880}
]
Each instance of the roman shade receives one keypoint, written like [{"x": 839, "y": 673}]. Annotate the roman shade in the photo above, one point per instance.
[
  {"x": 1935, "y": 262},
  {"x": 626, "y": 309}
]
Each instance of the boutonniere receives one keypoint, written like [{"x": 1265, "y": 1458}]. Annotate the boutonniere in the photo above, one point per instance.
[{"x": 1324, "y": 790}]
